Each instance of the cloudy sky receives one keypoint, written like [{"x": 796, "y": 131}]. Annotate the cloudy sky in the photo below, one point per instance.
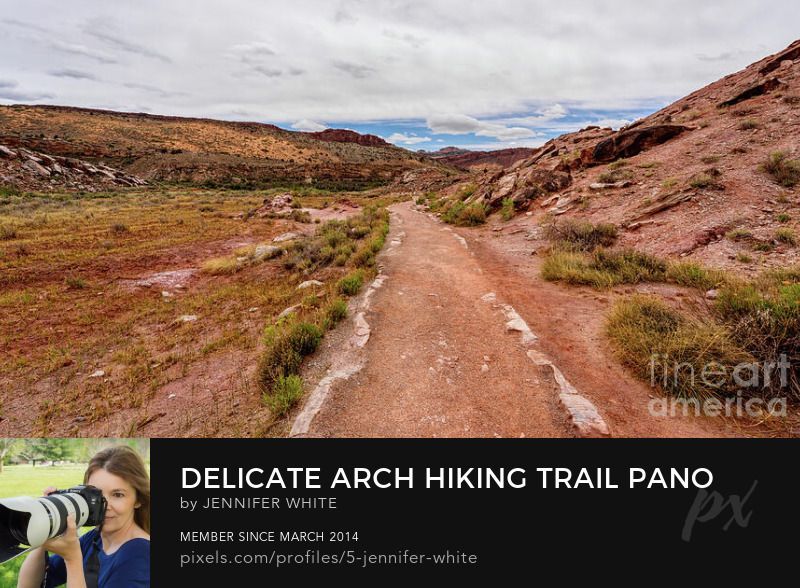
[{"x": 422, "y": 74}]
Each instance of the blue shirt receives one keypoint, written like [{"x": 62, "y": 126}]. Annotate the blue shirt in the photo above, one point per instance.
[{"x": 127, "y": 567}]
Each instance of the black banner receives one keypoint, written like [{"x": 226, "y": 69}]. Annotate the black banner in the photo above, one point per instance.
[{"x": 462, "y": 509}]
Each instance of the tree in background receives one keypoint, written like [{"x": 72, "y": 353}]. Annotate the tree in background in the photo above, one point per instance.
[
  {"x": 7, "y": 448},
  {"x": 48, "y": 450}
]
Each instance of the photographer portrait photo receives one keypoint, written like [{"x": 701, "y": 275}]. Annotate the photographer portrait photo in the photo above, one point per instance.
[{"x": 74, "y": 512}]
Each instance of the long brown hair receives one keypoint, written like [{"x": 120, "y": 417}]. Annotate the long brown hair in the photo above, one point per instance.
[{"x": 124, "y": 462}]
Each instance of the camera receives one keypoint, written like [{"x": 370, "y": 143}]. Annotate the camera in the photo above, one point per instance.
[{"x": 32, "y": 521}]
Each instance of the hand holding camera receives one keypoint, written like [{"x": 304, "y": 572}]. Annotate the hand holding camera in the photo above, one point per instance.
[{"x": 50, "y": 521}]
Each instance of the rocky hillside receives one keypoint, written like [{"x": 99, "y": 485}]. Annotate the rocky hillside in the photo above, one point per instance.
[
  {"x": 713, "y": 176},
  {"x": 466, "y": 159},
  {"x": 32, "y": 171},
  {"x": 203, "y": 151}
]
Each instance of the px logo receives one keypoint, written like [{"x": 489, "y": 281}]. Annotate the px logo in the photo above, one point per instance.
[{"x": 708, "y": 506}]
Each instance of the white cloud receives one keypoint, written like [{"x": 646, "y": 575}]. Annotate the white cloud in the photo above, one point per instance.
[
  {"x": 411, "y": 139},
  {"x": 461, "y": 124},
  {"x": 387, "y": 59},
  {"x": 308, "y": 125}
]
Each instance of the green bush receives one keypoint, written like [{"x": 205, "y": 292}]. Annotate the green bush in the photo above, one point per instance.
[
  {"x": 285, "y": 393},
  {"x": 335, "y": 312},
  {"x": 604, "y": 268},
  {"x": 351, "y": 283},
  {"x": 305, "y": 338},
  {"x": 693, "y": 275},
  {"x": 507, "y": 209},
  {"x": 279, "y": 360}
]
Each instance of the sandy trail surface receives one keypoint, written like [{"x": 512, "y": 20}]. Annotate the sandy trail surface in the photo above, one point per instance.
[{"x": 447, "y": 357}]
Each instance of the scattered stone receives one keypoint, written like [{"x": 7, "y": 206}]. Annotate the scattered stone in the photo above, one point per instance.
[
  {"x": 171, "y": 396},
  {"x": 97, "y": 374},
  {"x": 712, "y": 294},
  {"x": 166, "y": 294},
  {"x": 187, "y": 318},
  {"x": 610, "y": 185},
  {"x": 266, "y": 252},
  {"x": 310, "y": 284},
  {"x": 286, "y": 312},
  {"x": 286, "y": 237},
  {"x": 484, "y": 368},
  {"x": 253, "y": 309}
]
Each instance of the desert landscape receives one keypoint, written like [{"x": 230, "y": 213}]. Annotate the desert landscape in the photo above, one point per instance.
[{"x": 169, "y": 276}]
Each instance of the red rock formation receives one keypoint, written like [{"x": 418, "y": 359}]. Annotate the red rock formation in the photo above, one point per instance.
[{"x": 347, "y": 136}]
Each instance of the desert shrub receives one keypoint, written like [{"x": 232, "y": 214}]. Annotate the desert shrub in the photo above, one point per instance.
[
  {"x": 739, "y": 235},
  {"x": 279, "y": 360},
  {"x": 671, "y": 350},
  {"x": 286, "y": 345},
  {"x": 783, "y": 218},
  {"x": 787, "y": 236},
  {"x": 507, "y": 209},
  {"x": 693, "y": 275},
  {"x": 8, "y": 232},
  {"x": 284, "y": 394},
  {"x": 300, "y": 216},
  {"x": 335, "y": 312},
  {"x": 748, "y": 125},
  {"x": 764, "y": 318},
  {"x": 785, "y": 171},
  {"x": 351, "y": 283},
  {"x": 615, "y": 174},
  {"x": 702, "y": 181},
  {"x": 467, "y": 191},
  {"x": 360, "y": 231},
  {"x": 465, "y": 215},
  {"x": 221, "y": 266},
  {"x": 305, "y": 337},
  {"x": 582, "y": 236},
  {"x": 744, "y": 258},
  {"x": 603, "y": 268},
  {"x": 75, "y": 283},
  {"x": 119, "y": 228}
]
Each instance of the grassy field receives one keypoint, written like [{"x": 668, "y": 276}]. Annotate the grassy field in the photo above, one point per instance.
[
  {"x": 24, "y": 480},
  {"x": 70, "y": 307}
]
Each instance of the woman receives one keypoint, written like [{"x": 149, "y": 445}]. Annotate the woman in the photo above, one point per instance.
[{"x": 120, "y": 546}]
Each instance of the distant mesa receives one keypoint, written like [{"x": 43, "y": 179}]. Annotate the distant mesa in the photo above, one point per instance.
[
  {"x": 466, "y": 159},
  {"x": 348, "y": 136}
]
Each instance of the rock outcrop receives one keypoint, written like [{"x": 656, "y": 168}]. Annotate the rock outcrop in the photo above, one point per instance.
[
  {"x": 629, "y": 143},
  {"x": 30, "y": 170}
]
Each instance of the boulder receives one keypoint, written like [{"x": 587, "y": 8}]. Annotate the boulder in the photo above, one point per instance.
[
  {"x": 753, "y": 91},
  {"x": 629, "y": 143}
]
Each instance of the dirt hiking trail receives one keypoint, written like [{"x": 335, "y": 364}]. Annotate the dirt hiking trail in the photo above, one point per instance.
[{"x": 438, "y": 350}]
